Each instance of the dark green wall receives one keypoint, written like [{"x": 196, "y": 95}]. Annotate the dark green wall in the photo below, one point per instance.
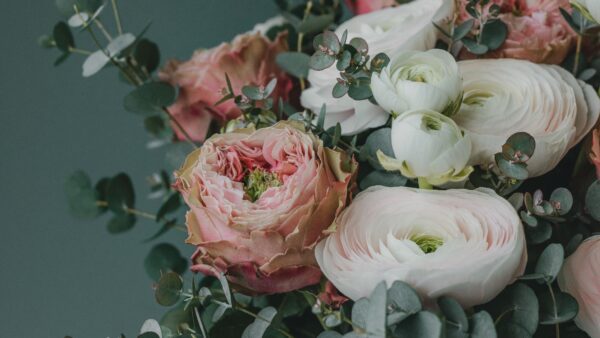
[{"x": 60, "y": 275}]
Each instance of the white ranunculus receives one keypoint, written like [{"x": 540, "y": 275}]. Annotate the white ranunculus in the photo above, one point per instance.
[
  {"x": 580, "y": 277},
  {"x": 505, "y": 96},
  {"x": 419, "y": 80},
  {"x": 466, "y": 244},
  {"x": 406, "y": 27},
  {"x": 591, "y": 6},
  {"x": 429, "y": 146}
]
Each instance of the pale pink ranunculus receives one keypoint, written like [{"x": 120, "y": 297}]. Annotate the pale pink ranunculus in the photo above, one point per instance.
[
  {"x": 580, "y": 277},
  {"x": 249, "y": 59},
  {"x": 466, "y": 244},
  {"x": 536, "y": 31},
  {"x": 366, "y": 6},
  {"x": 595, "y": 151},
  {"x": 263, "y": 241}
]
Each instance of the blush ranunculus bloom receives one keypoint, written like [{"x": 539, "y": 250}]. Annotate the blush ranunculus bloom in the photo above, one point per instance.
[
  {"x": 595, "y": 151},
  {"x": 580, "y": 277},
  {"x": 506, "y": 96},
  {"x": 536, "y": 30},
  {"x": 249, "y": 59},
  {"x": 263, "y": 241},
  {"x": 367, "y": 6},
  {"x": 467, "y": 244}
]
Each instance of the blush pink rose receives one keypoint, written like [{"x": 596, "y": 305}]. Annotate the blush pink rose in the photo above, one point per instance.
[
  {"x": 249, "y": 59},
  {"x": 536, "y": 31},
  {"x": 263, "y": 242},
  {"x": 595, "y": 151},
  {"x": 367, "y": 6},
  {"x": 580, "y": 277}
]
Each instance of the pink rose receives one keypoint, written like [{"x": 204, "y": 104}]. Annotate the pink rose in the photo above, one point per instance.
[
  {"x": 249, "y": 59},
  {"x": 595, "y": 151},
  {"x": 367, "y": 6},
  {"x": 259, "y": 202},
  {"x": 580, "y": 277},
  {"x": 536, "y": 31}
]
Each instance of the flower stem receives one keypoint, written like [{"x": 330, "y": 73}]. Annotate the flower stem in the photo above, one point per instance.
[
  {"x": 140, "y": 213},
  {"x": 117, "y": 17},
  {"x": 423, "y": 184},
  {"x": 577, "y": 54},
  {"x": 555, "y": 308},
  {"x": 103, "y": 29}
]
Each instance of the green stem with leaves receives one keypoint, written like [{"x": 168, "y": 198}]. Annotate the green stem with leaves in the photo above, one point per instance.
[{"x": 140, "y": 213}]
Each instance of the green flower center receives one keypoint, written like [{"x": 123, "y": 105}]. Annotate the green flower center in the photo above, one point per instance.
[
  {"x": 427, "y": 243},
  {"x": 258, "y": 181}
]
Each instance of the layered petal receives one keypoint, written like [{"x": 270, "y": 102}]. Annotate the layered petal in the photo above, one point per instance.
[
  {"x": 505, "y": 96},
  {"x": 259, "y": 202},
  {"x": 460, "y": 243}
]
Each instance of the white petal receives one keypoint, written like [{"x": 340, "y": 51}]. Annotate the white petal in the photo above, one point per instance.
[{"x": 94, "y": 63}]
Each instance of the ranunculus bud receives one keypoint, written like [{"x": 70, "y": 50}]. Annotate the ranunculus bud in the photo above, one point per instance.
[
  {"x": 259, "y": 202},
  {"x": 580, "y": 277},
  {"x": 406, "y": 27},
  {"x": 429, "y": 146},
  {"x": 466, "y": 244},
  {"x": 591, "y": 8},
  {"x": 419, "y": 80},
  {"x": 505, "y": 96},
  {"x": 248, "y": 60}
]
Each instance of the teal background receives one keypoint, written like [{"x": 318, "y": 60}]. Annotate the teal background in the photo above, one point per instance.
[{"x": 59, "y": 275}]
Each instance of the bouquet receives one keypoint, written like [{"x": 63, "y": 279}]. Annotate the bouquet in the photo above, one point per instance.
[{"x": 367, "y": 168}]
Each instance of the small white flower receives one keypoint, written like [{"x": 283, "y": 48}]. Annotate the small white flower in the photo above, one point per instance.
[
  {"x": 419, "y": 80},
  {"x": 83, "y": 18},
  {"x": 429, "y": 146}
]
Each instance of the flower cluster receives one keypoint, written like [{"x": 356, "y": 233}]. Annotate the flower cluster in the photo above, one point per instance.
[{"x": 372, "y": 180}]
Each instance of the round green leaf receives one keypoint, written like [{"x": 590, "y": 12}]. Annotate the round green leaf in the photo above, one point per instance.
[
  {"x": 474, "y": 47},
  {"x": 421, "y": 325},
  {"x": 121, "y": 223},
  {"x": 360, "y": 310},
  {"x": 360, "y": 91},
  {"x": 321, "y": 61},
  {"x": 168, "y": 289},
  {"x": 81, "y": 196},
  {"x": 550, "y": 261},
  {"x": 493, "y": 34},
  {"x": 63, "y": 37},
  {"x": 150, "y": 98},
  {"x": 294, "y": 63},
  {"x": 329, "y": 334},
  {"x": 380, "y": 139},
  {"x": 566, "y": 308},
  {"x": 514, "y": 170},
  {"x": 539, "y": 233},
  {"x": 402, "y": 302},
  {"x": 163, "y": 258},
  {"x": 340, "y": 89},
  {"x": 453, "y": 313},
  {"x": 260, "y": 325},
  {"x": 562, "y": 200},
  {"x": 376, "y": 314},
  {"x": 327, "y": 41},
  {"x": 592, "y": 200},
  {"x": 383, "y": 178},
  {"x": 520, "y": 307},
  {"x": 523, "y": 143},
  {"x": 482, "y": 326},
  {"x": 462, "y": 30},
  {"x": 120, "y": 194},
  {"x": 147, "y": 54},
  {"x": 573, "y": 244}
]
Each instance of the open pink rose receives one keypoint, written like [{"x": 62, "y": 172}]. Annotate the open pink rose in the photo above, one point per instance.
[
  {"x": 367, "y": 6},
  {"x": 259, "y": 202},
  {"x": 536, "y": 30},
  {"x": 249, "y": 59},
  {"x": 580, "y": 277},
  {"x": 595, "y": 151}
]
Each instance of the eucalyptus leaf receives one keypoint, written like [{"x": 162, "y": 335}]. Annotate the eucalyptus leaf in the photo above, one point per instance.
[
  {"x": 518, "y": 306},
  {"x": 463, "y": 29},
  {"x": 260, "y": 325},
  {"x": 421, "y": 325},
  {"x": 383, "y": 178},
  {"x": 321, "y": 61},
  {"x": 121, "y": 223},
  {"x": 514, "y": 170},
  {"x": 170, "y": 205},
  {"x": 562, "y": 200},
  {"x": 63, "y": 37},
  {"x": 315, "y": 23},
  {"x": 376, "y": 313},
  {"x": 592, "y": 200},
  {"x": 168, "y": 289},
  {"x": 494, "y": 34},
  {"x": 120, "y": 194},
  {"x": 482, "y": 326},
  {"x": 294, "y": 63},
  {"x": 150, "y": 98},
  {"x": 550, "y": 261},
  {"x": 454, "y": 313},
  {"x": 81, "y": 196},
  {"x": 147, "y": 54},
  {"x": 473, "y": 47},
  {"x": 380, "y": 139},
  {"x": 566, "y": 308},
  {"x": 164, "y": 258}
]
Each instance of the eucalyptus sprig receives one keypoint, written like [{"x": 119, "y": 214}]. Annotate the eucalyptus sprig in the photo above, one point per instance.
[{"x": 352, "y": 60}]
